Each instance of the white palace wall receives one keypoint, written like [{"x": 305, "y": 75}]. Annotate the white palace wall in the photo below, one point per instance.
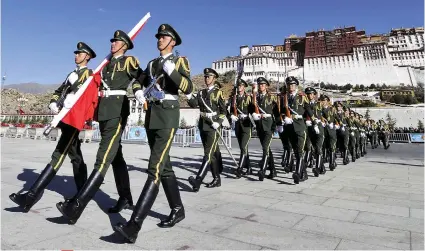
[{"x": 405, "y": 116}]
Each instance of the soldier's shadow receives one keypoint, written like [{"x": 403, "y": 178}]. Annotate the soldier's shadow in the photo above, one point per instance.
[{"x": 65, "y": 186}]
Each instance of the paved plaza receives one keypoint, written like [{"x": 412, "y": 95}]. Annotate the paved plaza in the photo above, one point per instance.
[{"x": 375, "y": 203}]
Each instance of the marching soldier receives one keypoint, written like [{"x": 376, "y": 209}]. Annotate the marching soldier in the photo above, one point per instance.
[
  {"x": 112, "y": 113},
  {"x": 69, "y": 143},
  {"x": 383, "y": 130},
  {"x": 266, "y": 104},
  {"x": 217, "y": 152},
  {"x": 163, "y": 77},
  {"x": 328, "y": 115},
  {"x": 374, "y": 141},
  {"x": 240, "y": 107},
  {"x": 296, "y": 106},
  {"x": 363, "y": 139},
  {"x": 358, "y": 134},
  {"x": 353, "y": 138},
  {"x": 213, "y": 111},
  {"x": 315, "y": 133},
  {"x": 343, "y": 133},
  {"x": 287, "y": 156}
]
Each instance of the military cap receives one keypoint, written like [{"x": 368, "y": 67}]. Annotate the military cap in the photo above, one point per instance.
[
  {"x": 361, "y": 116},
  {"x": 218, "y": 84},
  {"x": 122, "y": 36},
  {"x": 82, "y": 47},
  {"x": 291, "y": 80},
  {"x": 167, "y": 30},
  {"x": 242, "y": 82},
  {"x": 210, "y": 72},
  {"x": 262, "y": 80},
  {"x": 309, "y": 90}
]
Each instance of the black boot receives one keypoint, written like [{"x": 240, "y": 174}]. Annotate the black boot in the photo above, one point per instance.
[
  {"x": 299, "y": 168},
  {"x": 196, "y": 182},
  {"x": 247, "y": 166},
  {"x": 288, "y": 162},
  {"x": 307, "y": 158},
  {"x": 322, "y": 167},
  {"x": 72, "y": 209},
  {"x": 331, "y": 161},
  {"x": 172, "y": 192},
  {"x": 80, "y": 174},
  {"x": 334, "y": 160},
  {"x": 28, "y": 199},
  {"x": 131, "y": 229},
  {"x": 284, "y": 156},
  {"x": 216, "y": 182},
  {"x": 353, "y": 156},
  {"x": 122, "y": 182},
  {"x": 304, "y": 175},
  {"x": 272, "y": 168},
  {"x": 346, "y": 160},
  {"x": 122, "y": 203},
  {"x": 239, "y": 170},
  {"x": 263, "y": 168},
  {"x": 316, "y": 170},
  {"x": 219, "y": 161}
]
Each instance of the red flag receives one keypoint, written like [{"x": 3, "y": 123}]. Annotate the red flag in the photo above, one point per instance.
[
  {"x": 87, "y": 95},
  {"x": 85, "y": 106},
  {"x": 21, "y": 112}
]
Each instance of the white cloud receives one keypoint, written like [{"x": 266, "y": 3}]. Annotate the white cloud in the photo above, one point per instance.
[{"x": 101, "y": 10}]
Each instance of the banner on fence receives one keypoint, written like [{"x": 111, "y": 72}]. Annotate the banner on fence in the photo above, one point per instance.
[
  {"x": 137, "y": 133},
  {"x": 417, "y": 138}
]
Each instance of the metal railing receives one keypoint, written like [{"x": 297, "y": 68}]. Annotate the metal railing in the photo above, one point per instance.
[
  {"x": 183, "y": 137},
  {"x": 399, "y": 137}
]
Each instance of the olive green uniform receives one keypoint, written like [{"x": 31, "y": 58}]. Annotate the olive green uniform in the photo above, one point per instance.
[
  {"x": 212, "y": 109},
  {"x": 343, "y": 135},
  {"x": 315, "y": 139},
  {"x": 298, "y": 106},
  {"x": 330, "y": 135},
  {"x": 68, "y": 143},
  {"x": 243, "y": 128},
  {"x": 267, "y": 105}
]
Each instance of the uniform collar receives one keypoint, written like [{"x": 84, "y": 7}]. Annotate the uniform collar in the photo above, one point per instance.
[
  {"x": 165, "y": 56},
  {"x": 79, "y": 68}
]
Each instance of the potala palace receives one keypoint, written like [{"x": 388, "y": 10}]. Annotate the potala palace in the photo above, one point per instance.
[{"x": 340, "y": 56}]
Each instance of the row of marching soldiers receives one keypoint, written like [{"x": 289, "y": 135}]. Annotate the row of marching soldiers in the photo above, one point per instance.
[{"x": 310, "y": 127}]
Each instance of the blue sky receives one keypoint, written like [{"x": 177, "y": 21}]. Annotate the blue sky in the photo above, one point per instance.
[{"x": 39, "y": 36}]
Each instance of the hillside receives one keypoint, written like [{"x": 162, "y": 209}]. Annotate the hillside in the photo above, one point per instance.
[{"x": 38, "y": 95}]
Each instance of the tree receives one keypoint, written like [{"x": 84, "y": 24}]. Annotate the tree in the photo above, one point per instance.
[
  {"x": 183, "y": 123},
  {"x": 420, "y": 124},
  {"x": 367, "y": 114},
  {"x": 384, "y": 86},
  {"x": 398, "y": 99},
  {"x": 362, "y": 87},
  {"x": 391, "y": 121},
  {"x": 372, "y": 86},
  {"x": 322, "y": 85},
  {"x": 348, "y": 86},
  {"x": 409, "y": 100}
]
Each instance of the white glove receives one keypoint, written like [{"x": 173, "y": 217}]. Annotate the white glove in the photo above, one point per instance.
[
  {"x": 72, "y": 78},
  {"x": 234, "y": 118},
  {"x": 317, "y": 121},
  {"x": 352, "y": 133},
  {"x": 208, "y": 115},
  {"x": 343, "y": 128},
  {"x": 331, "y": 125},
  {"x": 140, "y": 96},
  {"x": 69, "y": 100},
  {"x": 189, "y": 96},
  {"x": 215, "y": 125},
  {"x": 316, "y": 129},
  {"x": 308, "y": 122},
  {"x": 288, "y": 121},
  {"x": 256, "y": 116},
  {"x": 242, "y": 116},
  {"x": 280, "y": 129},
  {"x": 169, "y": 67},
  {"x": 337, "y": 127},
  {"x": 54, "y": 107}
]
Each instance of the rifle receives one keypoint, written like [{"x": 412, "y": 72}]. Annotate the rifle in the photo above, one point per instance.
[{"x": 285, "y": 100}]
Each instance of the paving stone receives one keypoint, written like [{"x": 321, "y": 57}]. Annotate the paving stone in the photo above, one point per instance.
[
  {"x": 417, "y": 240},
  {"x": 396, "y": 202},
  {"x": 355, "y": 245},
  {"x": 279, "y": 238},
  {"x": 357, "y": 232},
  {"x": 400, "y": 189},
  {"x": 258, "y": 214},
  {"x": 243, "y": 199},
  {"x": 367, "y": 192},
  {"x": 297, "y": 197},
  {"x": 390, "y": 221},
  {"x": 207, "y": 222},
  {"x": 316, "y": 210},
  {"x": 416, "y": 213},
  {"x": 335, "y": 194},
  {"x": 368, "y": 207},
  {"x": 178, "y": 238}
]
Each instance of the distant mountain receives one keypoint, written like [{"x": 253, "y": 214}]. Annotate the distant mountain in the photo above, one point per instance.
[{"x": 33, "y": 88}]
